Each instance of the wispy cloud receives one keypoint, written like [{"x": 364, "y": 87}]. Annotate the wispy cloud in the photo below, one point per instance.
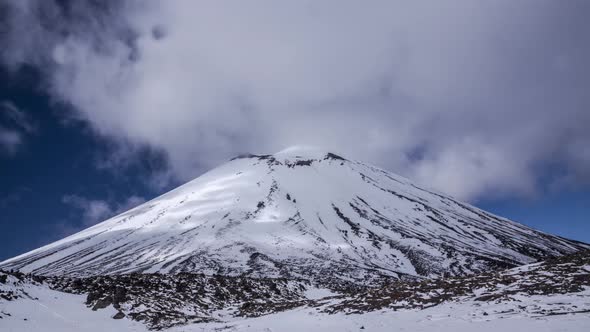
[
  {"x": 14, "y": 196},
  {"x": 15, "y": 125},
  {"x": 94, "y": 210},
  {"x": 10, "y": 140}
]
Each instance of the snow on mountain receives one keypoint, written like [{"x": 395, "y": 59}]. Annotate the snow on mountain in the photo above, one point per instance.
[{"x": 300, "y": 213}]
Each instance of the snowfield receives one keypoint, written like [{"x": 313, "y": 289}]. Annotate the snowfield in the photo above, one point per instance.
[
  {"x": 449, "y": 317},
  {"x": 43, "y": 309}
]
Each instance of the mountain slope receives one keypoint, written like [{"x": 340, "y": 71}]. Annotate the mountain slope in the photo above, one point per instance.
[{"x": 301, "y": 213}]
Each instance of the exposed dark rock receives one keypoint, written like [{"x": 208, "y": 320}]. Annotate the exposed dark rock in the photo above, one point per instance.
[
  {"x": 102, "y": 303},
  {"x": 119, "y": 315},
  {"x": 562, "y": 275},
  {"x": 334, "y": 156}
]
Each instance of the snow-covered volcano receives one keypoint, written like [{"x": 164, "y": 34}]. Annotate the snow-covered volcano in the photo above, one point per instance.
[{"x": 300, "y": 213}]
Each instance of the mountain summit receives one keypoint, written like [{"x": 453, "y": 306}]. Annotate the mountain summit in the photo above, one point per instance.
[{"x": 300, "y": 213}]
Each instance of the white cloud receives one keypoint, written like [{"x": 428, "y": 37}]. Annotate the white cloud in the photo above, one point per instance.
[
  {"x": 14, "y": 127},
  {"x": 93, "y": 211},
  {"x": 470, "y": 97},
  {"x": 10, "y": 140}
]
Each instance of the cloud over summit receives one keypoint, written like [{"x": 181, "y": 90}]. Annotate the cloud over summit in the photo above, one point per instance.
[{"x": 470, "y": 97}]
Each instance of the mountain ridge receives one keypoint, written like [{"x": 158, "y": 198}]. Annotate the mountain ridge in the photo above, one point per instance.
[{"x": 300, "y": 213}]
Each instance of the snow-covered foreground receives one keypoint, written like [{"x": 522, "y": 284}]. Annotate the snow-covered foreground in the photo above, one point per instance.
[
  {"x": 48, "y": 310},
  {"x": 43, "y": 309},
  {"x": 444, "y": 318}
]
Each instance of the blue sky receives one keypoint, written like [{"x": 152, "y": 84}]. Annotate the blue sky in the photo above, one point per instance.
[
  {"x": 57, "y": 160},
  {"x": 107, "y": 104}
]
